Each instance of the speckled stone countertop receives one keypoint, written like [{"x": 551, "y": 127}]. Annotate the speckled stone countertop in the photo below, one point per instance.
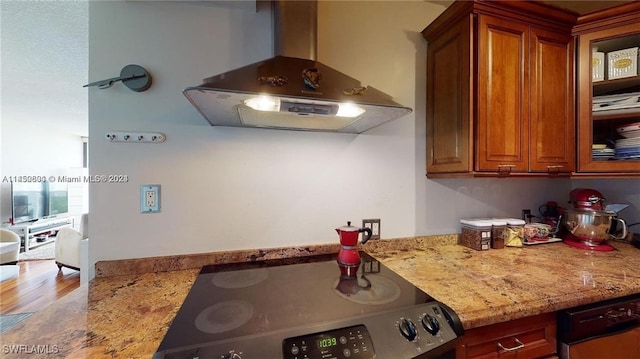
[
  {"x": 498, "y": 285},
  {"x": 114, "y": 317},
  {"x": 126, "y": 316}
]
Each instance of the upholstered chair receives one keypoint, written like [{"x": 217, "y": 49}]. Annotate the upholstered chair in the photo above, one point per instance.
[
  {"x": 68, "y": 245},
  {"x": 9, "y": 246}
]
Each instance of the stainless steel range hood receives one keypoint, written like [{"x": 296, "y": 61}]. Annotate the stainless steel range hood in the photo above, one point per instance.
[{"x": 291, "y": 90}]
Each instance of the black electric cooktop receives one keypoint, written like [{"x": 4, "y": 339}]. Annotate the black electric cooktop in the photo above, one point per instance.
[{"x": 303, "y": 308}]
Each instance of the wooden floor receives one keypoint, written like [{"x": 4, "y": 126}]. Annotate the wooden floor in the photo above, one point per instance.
[{"x": 39, "y": 283}]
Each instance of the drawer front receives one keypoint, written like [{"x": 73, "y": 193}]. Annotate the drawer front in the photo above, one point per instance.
[{"x": 533, "y": 337}]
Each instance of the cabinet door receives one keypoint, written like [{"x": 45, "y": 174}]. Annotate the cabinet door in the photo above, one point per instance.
[
  {"x": 552, "y": 141},
  {"x": 448, "y": 90},
  {"x": 503, "y": 92},
  {"x": 600, "y": 127}
]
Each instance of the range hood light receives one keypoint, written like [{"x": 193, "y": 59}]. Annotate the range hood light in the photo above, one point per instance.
[
  {"x": 349, "y": 110},
  {"x": 264, "y": 103},
  {"x": 292, "y": 90}
]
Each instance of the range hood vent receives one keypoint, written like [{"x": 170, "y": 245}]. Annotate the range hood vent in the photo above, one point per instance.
[{"x": 291, "y": 90}]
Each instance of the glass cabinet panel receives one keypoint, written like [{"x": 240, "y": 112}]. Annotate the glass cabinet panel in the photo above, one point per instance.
[{"x": 609, "y": 113}]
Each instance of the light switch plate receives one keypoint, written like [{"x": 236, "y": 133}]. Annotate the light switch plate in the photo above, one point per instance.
[{"x": 149, "y": 198}]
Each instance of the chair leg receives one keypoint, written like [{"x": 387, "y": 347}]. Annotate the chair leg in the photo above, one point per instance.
[{"x": 59, "y": 266}]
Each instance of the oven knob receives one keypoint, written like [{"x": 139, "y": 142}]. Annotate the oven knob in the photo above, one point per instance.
[
  {"x": 407, "y": 329},
  {"x": 431, "y": 324}
]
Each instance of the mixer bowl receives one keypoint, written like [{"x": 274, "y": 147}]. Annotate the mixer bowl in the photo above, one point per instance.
[{"x": 591, "y": 226}]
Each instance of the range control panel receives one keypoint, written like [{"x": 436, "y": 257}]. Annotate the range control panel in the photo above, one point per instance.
[
  {"x": 404, "y": 333},
  {"x": 419, "y": 331},
  {"x": 351, "y": 342}
]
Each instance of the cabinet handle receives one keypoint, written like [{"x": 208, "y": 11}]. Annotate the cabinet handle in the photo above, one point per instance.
[
  {"x": 507, "y": 168},
  {"x": 554, "y": 169},
  {"x": 519, "y": 346}
]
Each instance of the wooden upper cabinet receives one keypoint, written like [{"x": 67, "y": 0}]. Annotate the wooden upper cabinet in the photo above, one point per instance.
[
  {"x": 449, "y": 138},
  {"x": 614, "y": 29},
  {"x": 500, "y": 90}
]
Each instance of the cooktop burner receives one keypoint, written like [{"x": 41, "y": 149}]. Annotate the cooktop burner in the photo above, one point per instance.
[
  {"x": 224, "y": 316},
  {"x": 240, "y": 279},
  {"x": 377, "y": 290},
  {"x": 303, "y": 308}
]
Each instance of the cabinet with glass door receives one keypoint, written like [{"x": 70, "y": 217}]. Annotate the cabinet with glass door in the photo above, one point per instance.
[{"x": 609, "y": 93}]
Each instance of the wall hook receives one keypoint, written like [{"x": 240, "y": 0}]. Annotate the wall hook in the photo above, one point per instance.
[{"x": 135, "y": 77}]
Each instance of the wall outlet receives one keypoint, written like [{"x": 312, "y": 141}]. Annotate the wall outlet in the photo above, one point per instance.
[
  {"x": 374, "y": 225},
  {"x": 150, "y": 198}
]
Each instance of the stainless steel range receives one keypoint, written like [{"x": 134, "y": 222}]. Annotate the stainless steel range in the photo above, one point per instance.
[{"x": 304, "y": 308}]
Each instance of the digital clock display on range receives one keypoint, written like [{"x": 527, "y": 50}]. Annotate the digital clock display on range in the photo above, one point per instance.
[
  {"x": 327, "y": 342},
  {"x": 343, "y": 343}
]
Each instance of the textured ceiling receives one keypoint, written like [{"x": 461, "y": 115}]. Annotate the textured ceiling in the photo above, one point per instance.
[{"x": 44, "y": 63}]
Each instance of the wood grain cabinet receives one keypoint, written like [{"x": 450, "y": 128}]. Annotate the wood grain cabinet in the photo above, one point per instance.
[
  {"x": 532, "y": 337},
  {"x": 615, "y": 29},
  {"x": 500, "y": 90}
]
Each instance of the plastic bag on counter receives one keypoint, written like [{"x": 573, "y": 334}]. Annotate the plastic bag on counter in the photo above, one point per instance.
[{"x": 515, "y": 233}]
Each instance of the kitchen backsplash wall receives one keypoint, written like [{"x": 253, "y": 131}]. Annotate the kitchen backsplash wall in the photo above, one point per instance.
[{"x": 234, "y": 188}]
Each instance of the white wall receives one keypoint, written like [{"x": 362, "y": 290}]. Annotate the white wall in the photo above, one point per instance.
[
  {"x": 229, "y": 188},
  {"x": 225, "y": 188}
]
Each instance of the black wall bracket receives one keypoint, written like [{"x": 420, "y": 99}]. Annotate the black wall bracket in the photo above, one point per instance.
[{"x": 135, "y": 77}]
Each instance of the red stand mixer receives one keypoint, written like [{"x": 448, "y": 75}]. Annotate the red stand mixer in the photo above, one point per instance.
[
  {"x": 349, "y": 256},
  {"x": 589, "y": 223}
]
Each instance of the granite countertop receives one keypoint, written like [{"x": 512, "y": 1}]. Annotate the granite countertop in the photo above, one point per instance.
[
  {"x": 126, "y": 316},
  {"x": 487, "y": 287},
  {"x": 111, "y": 317}
]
